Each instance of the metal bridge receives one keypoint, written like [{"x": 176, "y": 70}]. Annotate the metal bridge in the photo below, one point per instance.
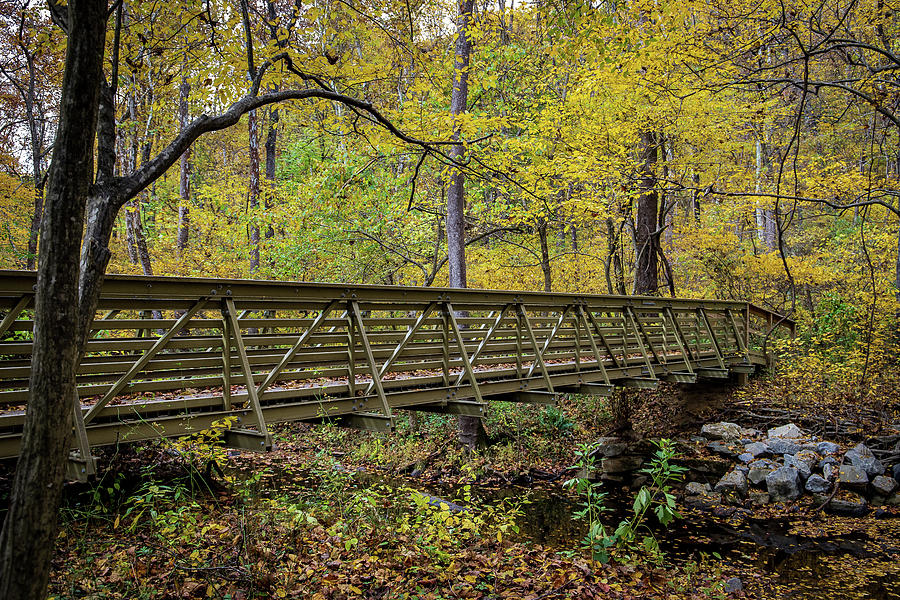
[{"x": 171, "y": 356}]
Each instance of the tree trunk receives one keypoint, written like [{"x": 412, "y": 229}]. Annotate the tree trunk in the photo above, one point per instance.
[
  {"x": 36, "y": 151},
  {"x": 253, "y": 190},
  {"x": 545, "y": 255},
  {"x": 184, "y": 174},
  {"x": 645, "y": 237},
  {"x": 471, "y": 431},
  {"x": 29, "y": 532},
  {"x": 271, "y": 146}
]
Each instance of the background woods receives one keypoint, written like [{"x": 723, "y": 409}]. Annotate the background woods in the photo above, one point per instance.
[{"x": 701, "y": 148}]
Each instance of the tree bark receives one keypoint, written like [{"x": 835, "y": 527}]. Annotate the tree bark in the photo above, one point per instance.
[
  {"x": 184, "y": 173},
  {"x": 471, "y": 431},
  {"x": 646, "y": 238},
  {"x": 253, "y": 190},
  {"x": 29, "y": 532},
  {"x": 545, "y": 256}
]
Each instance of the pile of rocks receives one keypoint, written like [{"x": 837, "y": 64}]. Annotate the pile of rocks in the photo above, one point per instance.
[{"x": 785, "y": 463}]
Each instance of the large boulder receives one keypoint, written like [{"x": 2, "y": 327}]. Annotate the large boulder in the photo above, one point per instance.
[
  {"x": 783, "y": 484},
  {"x": 848, "y": 505},
  {"x": 756, "y": 448},
  {"x": 789, "y": 431},
  {"x": 851, "y": 475},
  {"x": 884, "y": 485},
  {"x": 721, "y": 448},
  {"x": 860, "y": 456},
  {"x": 732, "y": 485},
  {"x": 782, "y": 446},
  {"x": 817, "y": 484},
  {"x": 722, "y": 431},
  {"x": 759, "y": 469},
  {"x": 803, "y": 469},
  {"x": 695, "y": 488},
  {"x": 609, "y": 447},
  {"x": 827, "y": 448}
]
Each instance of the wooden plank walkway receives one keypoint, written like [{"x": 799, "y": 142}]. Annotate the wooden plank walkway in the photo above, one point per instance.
[{"x": 170, "y": 356}]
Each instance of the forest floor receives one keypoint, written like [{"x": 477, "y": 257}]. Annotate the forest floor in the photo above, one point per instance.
[{"x": 334, "y": 513}]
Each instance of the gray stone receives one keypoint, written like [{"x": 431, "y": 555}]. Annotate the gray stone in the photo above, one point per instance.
[
  {"x": 893, "y": 499},
  {"x": 817, "y": 484},
  {"x": 695, "y": 488},
  {"x": 698, "y": 439},
  {"x": 783, "y": 484},
  {"x": 852, "y": 475},
  {"x": 884, "y": 485},
  {"x": 895, "y": 471},
  {"x": 758, "y": 498},
  {"x": 745, "y": 457},
  {"x": 782, "y": 446},
  {"x": 756, "y": 449},
  {"x": 721, "y": 449},
  {"x": 860, "y": 456},
  {"x": 733, "y": 585},
  {"x": 809, "y": 448},
  {"x": 759, "y": 469},
  {"x": 609, "y": 447},
  {"x": 790, "y": 431},
  {"x": 742, "y": 468},
  {"x": 854, "y": 506},
  {"x": 830, "y": 471},
  {"x": 722, "y": 431},
  {"x": 622, "y": 464},
  {"x": 733, "y": 484},
  {"x": 829, "y": 460},
  {"x": 827, "y": 448},
  {"x": 803, "y": 469}
]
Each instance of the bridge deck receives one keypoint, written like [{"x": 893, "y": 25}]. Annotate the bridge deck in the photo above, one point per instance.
[{"x": 170, "y": 356}]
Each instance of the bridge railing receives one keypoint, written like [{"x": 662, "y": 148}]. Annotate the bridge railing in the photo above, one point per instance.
[{"x": 168, "y": 356}]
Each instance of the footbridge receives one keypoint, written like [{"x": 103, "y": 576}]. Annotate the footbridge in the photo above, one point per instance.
[{"x": 173, "y": 356}]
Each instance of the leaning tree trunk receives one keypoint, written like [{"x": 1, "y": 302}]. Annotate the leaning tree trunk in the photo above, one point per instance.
[
  {"x": 253, "y": 190},
  {"x": 471, "y": 431},
  {"x": 646, "y": 236},
  {"x": 27, "y": 540}
]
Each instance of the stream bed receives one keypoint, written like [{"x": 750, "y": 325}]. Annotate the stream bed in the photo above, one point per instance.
[{"x": 803, "y": 557}]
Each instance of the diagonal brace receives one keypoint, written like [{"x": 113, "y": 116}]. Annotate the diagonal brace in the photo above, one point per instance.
[{"x": 143, "y": 360}]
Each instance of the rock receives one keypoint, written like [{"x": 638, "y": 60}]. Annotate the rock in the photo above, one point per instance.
[
  {"x": 742, "y": 468},
  {"x": 860, "y": 456},
  {"x": 852, "y": 506},
  {"x": 782, "y": 446},
  {"x": 698, "y": 439},
  {"x": 722, "y": 431},
  {"x": 721, "y": 449},
  {"x": 830, "y": 471},
  {"x": 783, "y": 484},
  {"x": 817, "y": 484},
  {"x": 745, "y": 457},
  {"x": 733, "y": 585},
  {"x": 756, "y": 449},
  {"x": 829, "y": 460},
  {"x": 852, "y": 475},
  {"x": 896, "y": 471},
  {"x": 609, "y": 447},
  {"x": 827, "y": 448},
  {"x": 621, "y": 464},
  {"x": 734, "y": 484},
  {"x": 758, "y": 498},
  {"x": 893, "y": 499},
  {"x": 789, "y": 431},
  {"x": 884, "y": 485},
  {"x": 803, "y": 469},
  {"x": 759, "y": 469},
  {"x": 695, "y": 488}
]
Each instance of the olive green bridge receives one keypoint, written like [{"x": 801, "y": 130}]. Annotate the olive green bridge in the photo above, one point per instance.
[{"x": 173, "y": 356}]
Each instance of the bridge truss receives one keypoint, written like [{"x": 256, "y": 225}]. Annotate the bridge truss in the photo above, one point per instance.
[{"x": 172, "y": 356}]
